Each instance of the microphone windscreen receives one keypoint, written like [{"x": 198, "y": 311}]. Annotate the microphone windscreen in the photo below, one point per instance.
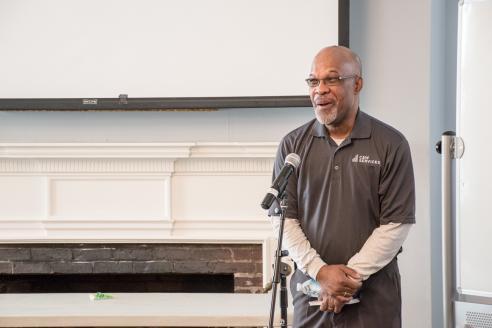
[{"x": 293, "y": 159}]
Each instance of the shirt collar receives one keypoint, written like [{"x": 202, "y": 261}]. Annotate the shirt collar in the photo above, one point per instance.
[{"x": 362, "y": 127}]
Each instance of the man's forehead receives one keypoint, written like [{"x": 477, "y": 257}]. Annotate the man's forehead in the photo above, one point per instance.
[
  {"x": 330, "y": 66},
  {"x": 321, "y": 72},
  {"x": 337, "y": 59}
]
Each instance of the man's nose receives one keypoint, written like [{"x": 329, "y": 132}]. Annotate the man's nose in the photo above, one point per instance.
[{"x": 322, "y": 88}]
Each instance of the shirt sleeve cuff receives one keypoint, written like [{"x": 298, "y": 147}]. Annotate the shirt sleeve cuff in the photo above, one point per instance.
[{"x": 314, "y": 267}]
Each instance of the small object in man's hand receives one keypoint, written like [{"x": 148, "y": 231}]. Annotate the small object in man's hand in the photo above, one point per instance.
[{"x": 318, "y": 303}]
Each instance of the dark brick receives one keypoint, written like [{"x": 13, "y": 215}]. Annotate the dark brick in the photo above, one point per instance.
[
  {"x": 257, "y": 252},
  {"x": 194, "y": 267},
  {"x": 211, "y": 254},
  {"x": 50, "y": 254},
  {"x": 172, "y": 253},
  {"x": 242, "y": 254},
  {"x": 32, "y": 267},
  {"x": 246, "y": 252},
  {"x": 259, "y": 267},
  {"x": 137, "y": 253},
  {"x": 5, "y": 267},
  {"x": 113, "y": 267},
  {"x": 14, "y": 253},
  {"x": 71, "y": 267},
  {"x": 152, "y": 267},
  {"x": 243, "y": 260},
  {"x": 226, "y": 267},
  {"x": 92, "y": 254},
  {"x": 192, "y": 252}
]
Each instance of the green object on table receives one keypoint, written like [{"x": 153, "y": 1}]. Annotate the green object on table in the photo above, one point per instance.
[{"x": 100, "y": 296}]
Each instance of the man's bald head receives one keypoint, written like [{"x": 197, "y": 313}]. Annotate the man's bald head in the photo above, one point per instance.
[
  {"x": 341, "y": 53},
  {"x": 336, "y": 71}
]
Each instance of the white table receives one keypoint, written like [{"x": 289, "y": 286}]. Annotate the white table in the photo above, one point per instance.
[{"x": 136, "y": 309}]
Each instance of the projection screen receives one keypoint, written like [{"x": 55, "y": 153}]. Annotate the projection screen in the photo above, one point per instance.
[{"x": 88, "y": 53}]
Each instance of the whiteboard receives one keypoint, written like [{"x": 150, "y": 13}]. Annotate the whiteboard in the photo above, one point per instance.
[
  {"x": 167, "y": 48},
  {"x": 474, "y": 173}
]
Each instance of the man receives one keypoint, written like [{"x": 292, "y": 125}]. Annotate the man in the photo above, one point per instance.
[{"x": 351, "y": 202}]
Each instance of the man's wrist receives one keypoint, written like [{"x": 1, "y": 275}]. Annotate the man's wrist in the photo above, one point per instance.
[
  {"x": 356, "y": 269},
  {"x": 314, "y": 266}
]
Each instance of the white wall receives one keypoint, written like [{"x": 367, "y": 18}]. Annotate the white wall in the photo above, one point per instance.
[
  {"x": 241, "y": 125},
  {"x": 393, "y": 40}
]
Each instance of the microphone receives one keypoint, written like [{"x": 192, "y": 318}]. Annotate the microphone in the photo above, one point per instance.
[{"x": 292, "y": 161}]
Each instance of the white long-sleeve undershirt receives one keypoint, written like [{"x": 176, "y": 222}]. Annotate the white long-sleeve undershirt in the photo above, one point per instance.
[{"x": 378, "y": 250}]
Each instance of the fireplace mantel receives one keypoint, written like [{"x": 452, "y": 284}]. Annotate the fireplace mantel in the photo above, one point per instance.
[{"x": 127, "y": 192}]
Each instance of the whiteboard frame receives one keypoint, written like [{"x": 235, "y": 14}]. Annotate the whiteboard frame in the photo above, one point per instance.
[{"x": 463, "y": 294}]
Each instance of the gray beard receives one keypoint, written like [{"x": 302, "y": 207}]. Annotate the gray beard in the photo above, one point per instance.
[{"x": 324, "y": 119}]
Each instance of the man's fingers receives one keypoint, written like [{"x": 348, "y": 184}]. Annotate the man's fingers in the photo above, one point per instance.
[
  {"x": 350, "y": 272},
  {"x": 337, "y": 305},
  {"x": 345, "y": 286},
  {"x": 329, "y": 303},
  {"x": 338, "y": 308},
  {"x": 343, "y": 299},
  {"x": 349, "y": 279},
  {"x": 351, "y": 284},
  {"x": 324, "y": 303}
]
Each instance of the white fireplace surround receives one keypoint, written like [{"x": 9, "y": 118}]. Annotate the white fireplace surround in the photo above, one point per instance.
[{"x": 135, "y": 192}]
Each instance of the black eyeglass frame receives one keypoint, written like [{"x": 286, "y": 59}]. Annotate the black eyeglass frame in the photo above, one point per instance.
[{"x": 331, "y": 80}]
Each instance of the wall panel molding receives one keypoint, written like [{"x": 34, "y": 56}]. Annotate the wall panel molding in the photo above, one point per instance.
[{"x": 88, "y": 192}]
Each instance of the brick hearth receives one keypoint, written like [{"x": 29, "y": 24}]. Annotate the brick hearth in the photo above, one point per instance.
[{"x": 244, "y": 261}]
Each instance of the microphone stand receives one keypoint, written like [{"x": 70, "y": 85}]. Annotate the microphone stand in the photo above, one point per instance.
[{"x": 280, "y": 270}]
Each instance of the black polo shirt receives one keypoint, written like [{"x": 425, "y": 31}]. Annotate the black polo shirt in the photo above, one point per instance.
[{"x": 340, "y": 194}]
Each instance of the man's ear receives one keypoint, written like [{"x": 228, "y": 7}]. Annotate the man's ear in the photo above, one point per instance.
[{"x": 358, "y": 85}]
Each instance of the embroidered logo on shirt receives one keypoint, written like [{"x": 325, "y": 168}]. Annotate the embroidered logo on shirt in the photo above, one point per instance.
[{"x": 365, "y": 159}]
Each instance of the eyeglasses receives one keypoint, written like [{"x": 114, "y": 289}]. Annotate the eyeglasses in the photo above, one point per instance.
[{"x": 330, "y": 80}]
